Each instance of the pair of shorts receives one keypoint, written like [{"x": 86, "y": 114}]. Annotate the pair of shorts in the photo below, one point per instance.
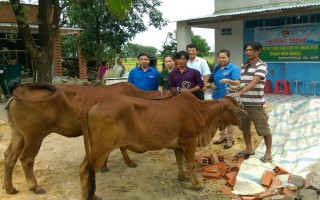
[{"x": 259, "y": 117}]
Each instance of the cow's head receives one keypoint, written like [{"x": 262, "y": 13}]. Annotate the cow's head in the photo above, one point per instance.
[{"x": 233, "y": 113}]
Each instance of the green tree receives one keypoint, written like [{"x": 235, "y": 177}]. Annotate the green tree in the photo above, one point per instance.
[
  {"x": 204, "y": 49},
  {"x": 103, "y": 36},
  {"x": 133, "y": 50},
  {"x": 49, "y": 22},
  {"x": 170, "y": 45}
]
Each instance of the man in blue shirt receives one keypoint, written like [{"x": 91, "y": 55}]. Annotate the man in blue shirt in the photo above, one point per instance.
[{"x": 143, "y": 76}]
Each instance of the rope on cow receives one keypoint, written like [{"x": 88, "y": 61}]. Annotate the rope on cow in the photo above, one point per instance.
[{"x": 185, "y": 86}]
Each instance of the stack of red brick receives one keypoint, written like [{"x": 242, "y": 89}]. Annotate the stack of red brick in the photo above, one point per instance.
[{"x": 216, "y": 166}]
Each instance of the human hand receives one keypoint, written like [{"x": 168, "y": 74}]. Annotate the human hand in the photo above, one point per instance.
[
  {"x": 233, "y": 95},
  {"x": 224, "y": 81},
  {"x": 213, "y": 86}
]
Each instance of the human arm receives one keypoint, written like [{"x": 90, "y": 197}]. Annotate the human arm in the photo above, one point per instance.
[
  {"x": 248, "y": 87},
  {"x": 198, "y": 82}
]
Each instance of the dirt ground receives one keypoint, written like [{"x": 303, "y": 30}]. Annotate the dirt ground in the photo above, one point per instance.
[{"x": 57, "y": 171}]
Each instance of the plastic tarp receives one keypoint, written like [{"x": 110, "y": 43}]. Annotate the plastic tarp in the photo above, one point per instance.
[{"x": 295, "y": 127}]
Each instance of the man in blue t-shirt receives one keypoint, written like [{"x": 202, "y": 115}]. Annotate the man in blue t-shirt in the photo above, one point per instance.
[{"x": 143, "y": 76}]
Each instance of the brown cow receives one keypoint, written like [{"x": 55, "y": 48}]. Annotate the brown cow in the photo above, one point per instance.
[
  {"x": 40, "y": 109},
  {"x": 143, "y": 125}
]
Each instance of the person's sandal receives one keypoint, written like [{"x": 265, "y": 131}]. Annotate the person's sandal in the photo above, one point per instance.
[
  {"x": 220, "y": 141},
  {"x": 265, "y": 160},
  {"x": 244, "y": 155},
  {"x": 227, "y": 146}
]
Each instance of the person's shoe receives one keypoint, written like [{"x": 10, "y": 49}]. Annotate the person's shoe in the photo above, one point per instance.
[
  {"x": 220, "y": 141},
  {"x": 228, "y": 146}
]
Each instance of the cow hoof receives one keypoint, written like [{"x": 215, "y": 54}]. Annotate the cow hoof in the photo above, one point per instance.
[
  {"x": 182, "y": 178},
  {"x": 104, "y": 169},
  {"x": 12, "y": 191},
  {"x": 38, "y": 190},
  {"x": 199, "y": 189},
  {"x": 132, "y": 165}
]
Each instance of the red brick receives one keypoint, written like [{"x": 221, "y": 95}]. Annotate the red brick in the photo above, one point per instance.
[
  {"x": 230, "y": 183},
  {"x": 226, "y": 191},
  {"x": 211, "y": 175},
  {"x": 267, "y": 178},
  {"x": 232, "y": 175},
  {"x": 250, "y": 198},
  {"x": 201, "y": 168},
  {"x": 220, "y": 158},
  {"x": 212, "y": 168},
  {"x": 288, "y": 191},
  {"x": 232, "y": 167},
  {"x": 222, "y": 167},
  {"x": 268, "y": 193},
  {"x": 203, "y": 160},
  {"x": 279, "y": 170},
  {"x": 276, "y": 183}
]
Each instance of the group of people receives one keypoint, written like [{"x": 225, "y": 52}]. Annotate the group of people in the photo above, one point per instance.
[
  {"x": 119, "y": 67},
  {"x": 192, "y": 74}
]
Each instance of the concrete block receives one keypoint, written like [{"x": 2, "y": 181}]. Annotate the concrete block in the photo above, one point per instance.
[
  {"x": 296, "y": 180},
  {"x": 313, "y": 181},
  {"x": 308, "y": 194},
  {"x": 214, "y": 158}
]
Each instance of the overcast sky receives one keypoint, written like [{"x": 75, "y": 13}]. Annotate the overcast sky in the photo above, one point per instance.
[{"x": 176, "y": 10}]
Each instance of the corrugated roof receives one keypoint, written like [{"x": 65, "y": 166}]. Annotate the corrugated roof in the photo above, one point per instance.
[{"x": 253, "y": 10}]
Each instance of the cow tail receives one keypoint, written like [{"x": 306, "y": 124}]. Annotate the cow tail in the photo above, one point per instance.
[
  {"x": 91, "y": 181},
  {"x": 86, "y": 137}
]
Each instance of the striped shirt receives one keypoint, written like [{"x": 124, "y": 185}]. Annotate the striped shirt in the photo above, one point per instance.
[{"x": 254, "y": 97}]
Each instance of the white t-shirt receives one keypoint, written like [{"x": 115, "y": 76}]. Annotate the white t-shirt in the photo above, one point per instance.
[{"x": 201, "y": 65}]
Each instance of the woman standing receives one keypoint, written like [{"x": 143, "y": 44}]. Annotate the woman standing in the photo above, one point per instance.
[
  {"x": 164, "y": 75},
  {"x": 224, "y": 75}
]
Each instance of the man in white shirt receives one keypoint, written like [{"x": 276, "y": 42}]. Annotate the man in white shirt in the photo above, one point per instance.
[
  {"x": 119, "y": 66},
  {"x": 199, "y": 64}
]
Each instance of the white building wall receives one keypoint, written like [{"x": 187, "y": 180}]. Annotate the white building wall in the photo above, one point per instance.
[
  {"x": 183, "y": 35},
  {"x": 233, "y": 42},
  {"x": 222, "y": 5}
]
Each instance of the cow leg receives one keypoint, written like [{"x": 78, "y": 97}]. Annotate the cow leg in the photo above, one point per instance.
[
  {"x": 189, "y": 151},
  {"x": 27, "y": 156},
  {"x": 11, "y": 156},
  {"x": 126, "y": 159},
  {"x": 179, "y": 158}
]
